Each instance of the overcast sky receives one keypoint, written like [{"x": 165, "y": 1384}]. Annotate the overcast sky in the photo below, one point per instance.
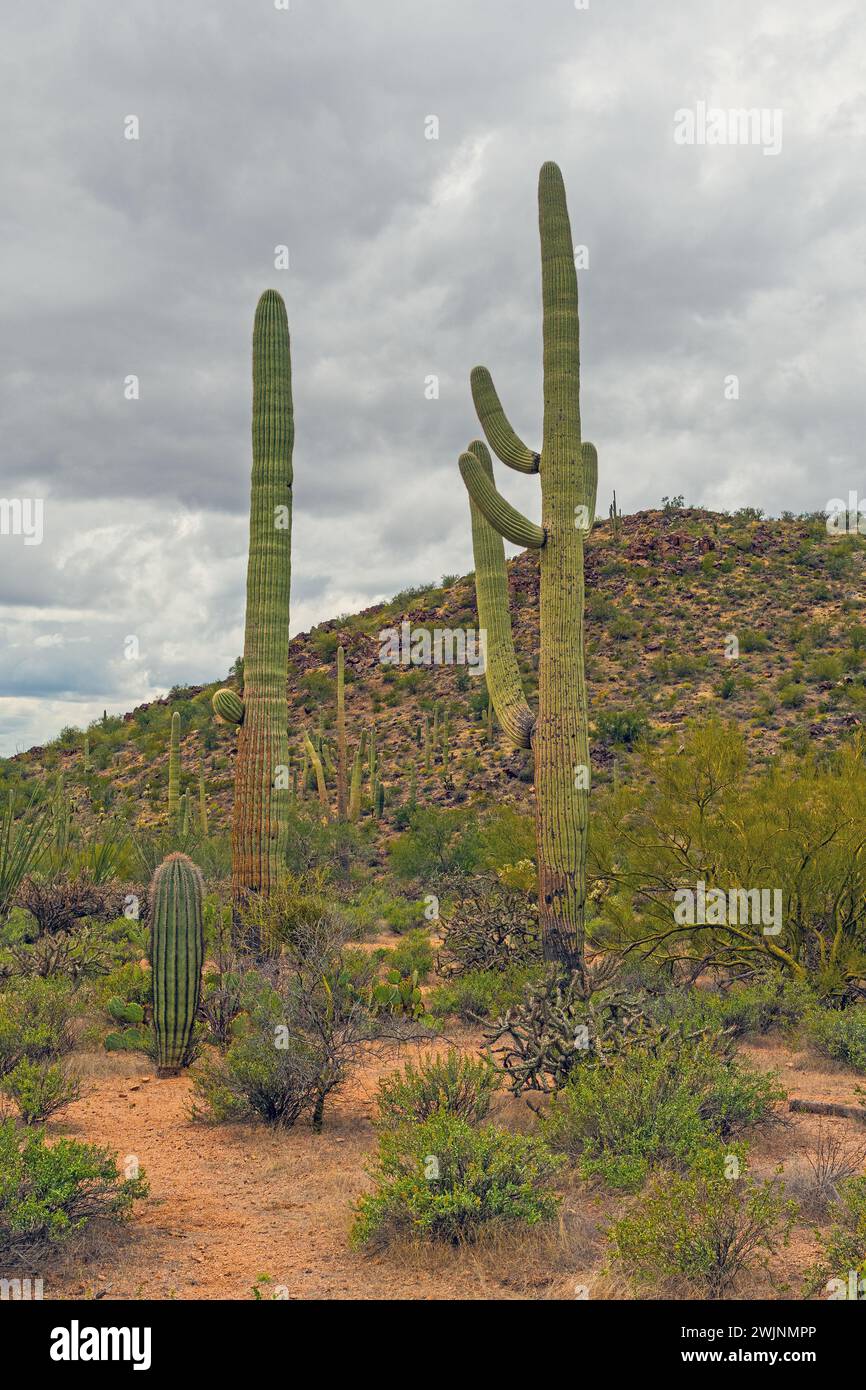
[{"x": 409, "y": 257}]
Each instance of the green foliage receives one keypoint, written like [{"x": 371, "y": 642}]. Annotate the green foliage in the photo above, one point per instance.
[
  {"x": 844, "y": 1245},
  {"x": 653, "y": 1106},
  {"x": 699, "y": 1230},
  {"x": 696, "y": 813},
  {"x": 22, "y": 842},
  {"x": 752, "y": 641},
  {"x": 759, "y": 1006},
  {"x": 482, "y": 994},
  {"x": 841, "y": 1034},
  {"x": 620, "y": 726},
  {"x": 457, "y": 1084},
  {"x": 35, "y": 1021},
  {"x": 48, "y": 1193},
  {"x": 414, "y": 955},
  {"x": 39, "y": 1089},
  {"x": 447, "y": 1180}
]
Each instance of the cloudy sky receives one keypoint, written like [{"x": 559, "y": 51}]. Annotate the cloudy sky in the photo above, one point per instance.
[{"x": 409, "y": 257}]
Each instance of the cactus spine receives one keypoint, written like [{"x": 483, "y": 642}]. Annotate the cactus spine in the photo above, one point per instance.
[
  {"x": 568, "y": 471},
  {"x": 174, "y": 771},
  {"x": 176, "y": 953},
  {"x": 260, "y": 814}
]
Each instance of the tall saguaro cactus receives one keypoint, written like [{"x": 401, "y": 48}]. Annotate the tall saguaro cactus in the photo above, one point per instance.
[
  {"x": 568, "y": 470},
  {"x": 176, "y": 955},
  {"x": 260, "y": 815}
]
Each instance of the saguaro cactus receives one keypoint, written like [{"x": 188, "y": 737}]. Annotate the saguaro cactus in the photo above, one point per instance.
[
  {"x": 568, "y": 471},
  {"x": 174, "y": 772},
  {"x": 341, "y": 734},
  {"x": 260, "y": 814},
  {"x": 176, "y": 955}
]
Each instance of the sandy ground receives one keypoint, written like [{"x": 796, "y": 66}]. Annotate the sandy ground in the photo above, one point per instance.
[{"x": 230, "y": 1203}]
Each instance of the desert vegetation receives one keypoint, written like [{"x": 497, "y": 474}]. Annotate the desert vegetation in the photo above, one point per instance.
[{"x": 546, "y": 985}]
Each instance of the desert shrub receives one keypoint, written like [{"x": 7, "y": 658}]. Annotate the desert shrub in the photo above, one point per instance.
[
  {"x": 414, "y": 955},
  {"x": 457, "y": 1084},
  {"x": 759, "y": 1006},
  {"x": 35, "y": 1021},
  {"x": 438, "y": 844},
  {"x": 299, "y": 901},
  {"x": 792, "y": 695},
  {"x": 620, "y": 726},
  {"x": 700, "y": 1229},
  {"x": 844, "y": 1245},
  {"x": 819, "y": 1182},
  {"x": 653, "y": 1106},
  {"x": 299, "y": 1028},
  {"x": 447, "y": 1180},
  {"x": 39, "y": 1089},
  {"x": 491, "y": 927},
  {"x": 48, "y": 1193},
  {"x": 752, "y": 641},
  {"x": 482, "y": 994},
  {"x": 841, "y": 1034}
]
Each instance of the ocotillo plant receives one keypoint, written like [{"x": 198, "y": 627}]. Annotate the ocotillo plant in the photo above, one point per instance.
[
  {"x": 174, "y": 771},
  {"x": 568, "y": 471},
  {"x": 260, "y": 814},
  {"x": 176, "y": 954}
]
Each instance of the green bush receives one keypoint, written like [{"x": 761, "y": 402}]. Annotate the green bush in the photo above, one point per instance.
[
  {"x": 620, "y": 726},
  {"x": 482, "y": 993},
  {"x": 35, "y": 1021},
  {"x": 844, "y": 1245},
  {"x": 700, "y": 1229},
  {"x": 648, "y": 1107},
  {"x": 455, "y": 1083},
  {"x": 445, "y": 1180},
  {"x": 757, "y": 1007},
  {"x": 50, "y": 1192},
  {"x": 39, "y": 1089},
  {"x": 414, "y": 955},
  {"x": 841, "y": 1034},
  {"x": 752, "y": 641}
]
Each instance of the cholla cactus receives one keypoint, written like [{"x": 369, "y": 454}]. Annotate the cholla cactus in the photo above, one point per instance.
[
  {"x": 176, "y": 955},
  {"x": 260, "y": 815},
  {"x": 568, "y": 471}
]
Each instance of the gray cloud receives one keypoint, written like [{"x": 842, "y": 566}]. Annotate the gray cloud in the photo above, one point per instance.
[{"x": 409, "y": 257}]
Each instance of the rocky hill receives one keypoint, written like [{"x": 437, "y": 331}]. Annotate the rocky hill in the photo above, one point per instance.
[{"x": 687, "y": 612}]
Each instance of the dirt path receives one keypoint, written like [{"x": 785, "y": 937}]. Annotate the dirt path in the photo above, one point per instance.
[{"x": 229, "y": 1203}]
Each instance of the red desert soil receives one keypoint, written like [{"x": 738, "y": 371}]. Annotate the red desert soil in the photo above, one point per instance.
[{"x": 229, "y": 1203}]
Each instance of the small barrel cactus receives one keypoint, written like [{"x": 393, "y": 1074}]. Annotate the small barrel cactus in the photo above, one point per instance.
[{"x": 177, "y": 952}]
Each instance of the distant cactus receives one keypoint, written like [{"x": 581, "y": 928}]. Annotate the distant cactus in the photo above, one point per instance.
[
  {"x": 260, "y": 814},
  {"x": 86, "y": 752},
  {"x": 341, "y": 734},
  {"x": 174, "y": 772},
  {"x": 357, "y": 777},
  {"x": 176, "y": 955},
  {"x": 316, "y": 763},
  {"x": 202, "y": 798},
  {"x": 568, "y": 470}
]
